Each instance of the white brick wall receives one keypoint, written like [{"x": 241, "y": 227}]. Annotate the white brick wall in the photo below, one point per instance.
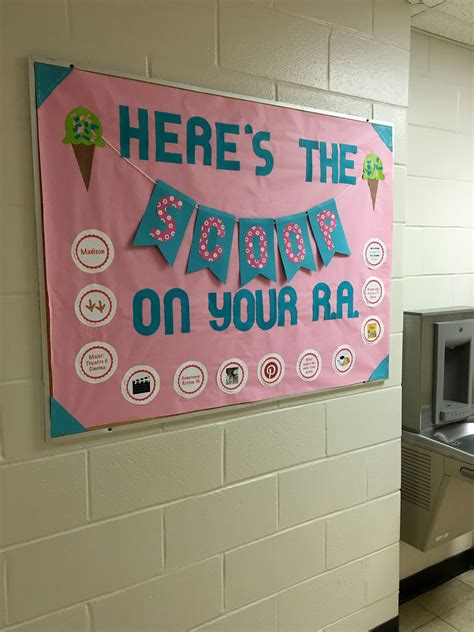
[
  {"x": 369, "y": 617},
  {"x": 75, "y": 618},
  {"x": 261, "y": 616},
  {"x": 315, "y": 603},
  {"x": 272, "y": 564},
  {"x": 302, "y": 497},
  {"x": 439, "y": 233},
  {"x": 376, "y": 525},
  {"x": 43, "y": 497},
  {"x": 277, "y": 517},
  {"x": 202, "y": 526},
  {"x": 134, "y": 474},
  {"x": 439, "y": 239},
  {"x": 58, "y": 571},
  {"x": 176, "y": 601},
  {"x": 275, "y": 440}
]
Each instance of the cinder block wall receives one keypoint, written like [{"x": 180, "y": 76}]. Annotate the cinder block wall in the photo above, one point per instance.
[
  {"x": 439, "y": 253},
  {"x": 439, "y": 234},
  {"x": 282, "y": 516}
]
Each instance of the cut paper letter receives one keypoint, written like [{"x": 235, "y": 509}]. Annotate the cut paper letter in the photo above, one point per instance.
[
  {"x": 212, "y": 242},
  {"x": 327, "y": 230},
  {"x": 256, "y": 249},
  {"x": 165, "y": 221},
  {"x": 294, "y": 244}
]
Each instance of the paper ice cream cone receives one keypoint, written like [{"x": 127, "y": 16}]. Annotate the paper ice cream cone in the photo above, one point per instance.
[
  {"x": 373, "y": 173},
  {"x": 373, "y": 186},
  {"x": 84, "y": 133},
  {"x": 84, "y": 156}
]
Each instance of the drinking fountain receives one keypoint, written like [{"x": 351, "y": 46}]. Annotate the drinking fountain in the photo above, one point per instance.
[{"x": 437, "y": 487}]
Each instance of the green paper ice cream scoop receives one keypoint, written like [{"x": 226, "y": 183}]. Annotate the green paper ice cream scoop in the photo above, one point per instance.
[
  {"x": 373, "y": 168},
  {"x": 373, "y": 172},
  {"x": 83, "y": 128}
]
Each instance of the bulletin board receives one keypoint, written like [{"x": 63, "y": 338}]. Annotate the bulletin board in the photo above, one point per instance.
[{"x": 201, "y": 249}]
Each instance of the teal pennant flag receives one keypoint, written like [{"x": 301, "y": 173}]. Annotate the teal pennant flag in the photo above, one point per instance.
[
  {"x": 294, "y": 244},
  {"x": 328, "y": 232},
  {"x": 165, "y": 221},
  {"x": 256, "y": 249},
  {"x": 212, "y": 242}
]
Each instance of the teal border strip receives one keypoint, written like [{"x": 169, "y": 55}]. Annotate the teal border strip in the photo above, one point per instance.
[
  {"x": 62, "y": 422},
  {"x": 382, "y": 371},
  {"x": 47, "y": 79}
]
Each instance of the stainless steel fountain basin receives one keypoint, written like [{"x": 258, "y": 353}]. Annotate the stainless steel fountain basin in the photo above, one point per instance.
[{"x": 453, "y": 440}]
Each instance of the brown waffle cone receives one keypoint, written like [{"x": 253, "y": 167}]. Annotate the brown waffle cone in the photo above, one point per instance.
[
  {"x": 373, "y": 186},
  {"x": 84, "y": 156}
]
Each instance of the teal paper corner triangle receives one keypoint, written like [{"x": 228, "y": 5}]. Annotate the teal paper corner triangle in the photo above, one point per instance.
[
  {"x": 386, "y": 134},
  {"x": 62, "y": 422},
  {"x": 47, "y": 79},
  {"x": 382, "y": 371}
]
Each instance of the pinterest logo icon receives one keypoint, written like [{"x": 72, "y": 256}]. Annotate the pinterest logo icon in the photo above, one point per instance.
[{"x": 271, "y": 369}]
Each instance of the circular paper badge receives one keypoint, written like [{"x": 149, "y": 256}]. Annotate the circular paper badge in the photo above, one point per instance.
[
  {"x": 92, "y": 251},
  {"x": 372, "y": 330},
  {"x": 375, "y": 253},
  {"x": 343, "y": 359},
  {"x": 190, "y": 379},
  {"x": 271, "y": 369},
  {"x": 95, "y": 305},
  {"x": 308, "y": 366},
  {"x": 373, "y": 292},
  {"x": 232, "y": 375},
  {"x": 96, "y": 362},
  {"x": 140, "y": 384}
]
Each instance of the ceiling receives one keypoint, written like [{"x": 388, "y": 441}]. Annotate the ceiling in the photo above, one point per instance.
[{"x": 453, "y": 19}]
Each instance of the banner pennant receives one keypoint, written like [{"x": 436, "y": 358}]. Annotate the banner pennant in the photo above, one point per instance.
[
  {"x": 212, "y": 242},
  {"x": 256, "y": 249},
  {"x": 165, "y": 221},
  {"x": 294, "y": 244},
  {"x": 327, "y": 230},
  {"x": 169, "y": 211}
]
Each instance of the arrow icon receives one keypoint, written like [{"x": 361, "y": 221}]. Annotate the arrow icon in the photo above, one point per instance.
[
  {"x": 91, "y": 306},
  {"x": 101, "y": 306}
]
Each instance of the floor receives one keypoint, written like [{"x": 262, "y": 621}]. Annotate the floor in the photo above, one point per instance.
[{"x": 448, "y": 608}]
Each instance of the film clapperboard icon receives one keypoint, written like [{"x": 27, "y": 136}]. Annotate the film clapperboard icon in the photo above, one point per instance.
[{"x": 141, "y": 385}]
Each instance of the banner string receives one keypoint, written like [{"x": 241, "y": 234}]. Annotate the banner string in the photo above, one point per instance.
[
  {"x": 129, "y": 161},
  {"x": 154, "y": 181}
]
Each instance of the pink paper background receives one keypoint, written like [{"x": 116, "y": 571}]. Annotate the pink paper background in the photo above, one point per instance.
[{"x": 115, "y": 203}]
